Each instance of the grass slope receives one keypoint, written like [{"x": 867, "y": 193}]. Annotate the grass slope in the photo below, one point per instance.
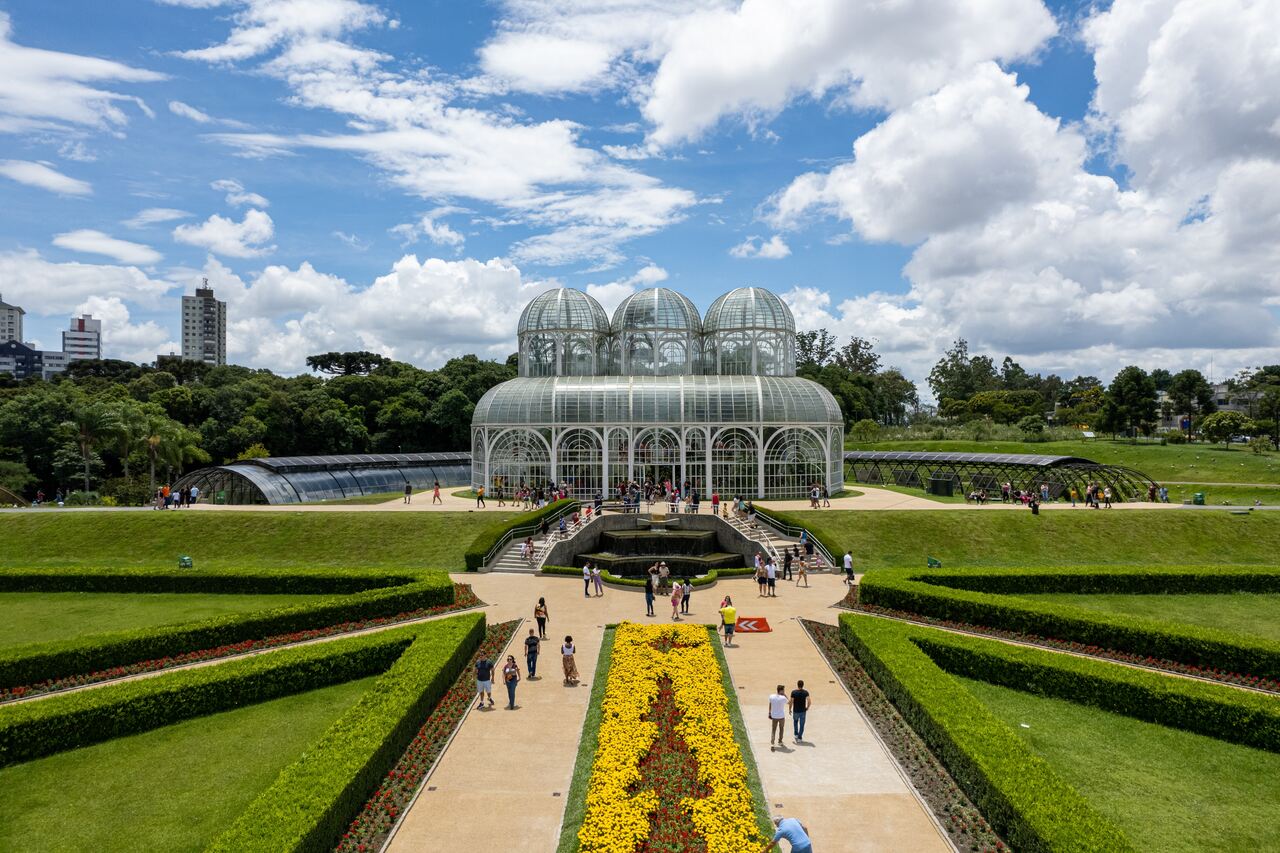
[
  {"x": 1241, "y": 613},
  {"x": 1169, "y": 790},
  {"x": 172, "y": 789},
  {"x": 241, "y": 540},
  {"x": 1057, "y": 538},
  {"x": 1190, "y": 463},
  {"x": 37, "y": 617}
]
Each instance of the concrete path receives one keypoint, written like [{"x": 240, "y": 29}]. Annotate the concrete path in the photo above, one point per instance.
[{"x": 502, "y": 783}]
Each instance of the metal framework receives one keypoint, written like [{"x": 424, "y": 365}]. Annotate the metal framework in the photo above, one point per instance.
[{"x": 988, "y": 471}]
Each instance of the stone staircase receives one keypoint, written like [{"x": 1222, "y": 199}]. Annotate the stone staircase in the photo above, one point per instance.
[
  {"x": 769, "y": 540},
  {"x": 509, "y": 559}
]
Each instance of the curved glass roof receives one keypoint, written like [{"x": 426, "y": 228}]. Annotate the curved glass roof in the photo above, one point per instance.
[
  {"x": 748, "y": 308},
  {"x": 989, "y": 458},
  {"x": 598, "y": 400},
  {"x": 657, "y": 308},
  {"x": 563, "y": 309}
]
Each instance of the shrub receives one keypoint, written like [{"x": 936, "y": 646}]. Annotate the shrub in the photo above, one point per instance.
[
  {"x": 315, "y": 798},
  {"x": 490, "y": 536},
  {"x": 258, "y": 581},
  {"x": 1018, "y": 793},
  {"x": 1174, "y": 438},
  {"x": 32, "y": 664},
  {"x": 34, "y": 729},
  {"x": 935, "y": 595}
]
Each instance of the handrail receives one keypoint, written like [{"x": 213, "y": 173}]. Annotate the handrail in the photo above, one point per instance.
[
  {"x": 795, "y": 530},
  {"x": 523, "y": 529},
  {"x": 554, "y": 538}
]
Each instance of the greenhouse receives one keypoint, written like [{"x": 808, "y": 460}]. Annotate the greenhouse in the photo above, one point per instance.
[
  {"x": 658, "y": 395},
  {"x": 299, "y": 479}
]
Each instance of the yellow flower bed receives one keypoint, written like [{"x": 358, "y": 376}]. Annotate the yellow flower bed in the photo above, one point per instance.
[{"x": 617, "y": 820}]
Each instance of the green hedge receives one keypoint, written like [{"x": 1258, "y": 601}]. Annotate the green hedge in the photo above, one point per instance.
[
  {"x": 920, "y": 591},
  {"x": 1135, "y": 580},
  {"x": 42, "y": 727},
  {"x": 314, "y": 799},
  {"x": 1226, "y": 713},
  {"x": 254, "y": 582},
  {"x": 1032, "y": 807},
  {"x": 24, "y": 665},
  {"x": 489, "y": 536},
  {"x": 706, "y": 580}
]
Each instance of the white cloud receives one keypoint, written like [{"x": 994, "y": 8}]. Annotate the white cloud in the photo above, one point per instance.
[
  {"x": 49, "y": 90},
  {"x": 199, "y": 116},
  {"x": 122, "y": 338},
  {"x": 48, "y": 288},
  {"x": 224, "y": 236},
  {"x": 545, "y": 63},
  {"x": 155, "y": 215},
  {"x": 758, "y": 247},
  {"x": 237, "y": 195},
  {"x": 611, "y": 294},
  {"x": 43, "y": 177},
  {"x": 430, "y": 228},
  {"x": 96, "y": 243},
  {"x": 76, "y": 150},
  {"x": 352, "y": 241},
  {"x": 262, "y": 25}
]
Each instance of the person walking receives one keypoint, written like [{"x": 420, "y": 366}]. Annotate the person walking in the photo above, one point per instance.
[
  {"x": 567, "y": 652},
  {"x": 799, "y": 710},
  {"x": 408, "y": 492},
  {"x": 771, "y": 577},
  {"x": 777, "y": 716},
  {"x": 803, "y": 573},
  {"x": 762, "y": 579},
  {"x": 435, "y": 493},
  {"x": 848, "y": 568},
  {"x": 511, "y": 677},
  {"x": 597, "y": 580},
  {"x": 688, "y": 594},
  {"x": 1106, "y": 497},
  {"x": 540, "y": 614},
  {"x": 649, "y": 583},
  {"x": 677, "y": 596},
  {"x": 484, "y": 681},
  {"x": 586, "y": 579},
  {"x": 793, "y": 832},
  {"x": 531, "y": 647},
  {"x": 480, "y": 498},
  {"x": 729, "y": 619},
  {"x": 786, "y": 564}
]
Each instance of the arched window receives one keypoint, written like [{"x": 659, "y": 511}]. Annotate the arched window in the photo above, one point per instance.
[
  {"x": 580, "y": 463},
  {"x": 657, "y": 455},
  {"x": 794, "y": 462},
  {"x": 519, "y": 457},
  {"x": 735, "y": 464}
]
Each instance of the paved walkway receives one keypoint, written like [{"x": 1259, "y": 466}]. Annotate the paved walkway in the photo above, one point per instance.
[{"x": 503, "y": 781}]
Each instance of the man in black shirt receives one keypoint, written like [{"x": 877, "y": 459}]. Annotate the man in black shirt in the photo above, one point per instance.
[
  {"x": 786, "y": 566},
  {"x": 531, "y": 652},
  {"x": 484, "y": 681},
  {"x": 799, "y": 708}
]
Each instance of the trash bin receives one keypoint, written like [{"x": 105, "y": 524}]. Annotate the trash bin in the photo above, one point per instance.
[
  {"x": 934, "y": 563},
  {"x": 184, "y": 562},
  {"x": 1198, "y": 499},
  {"x": 941, "y": 486}
]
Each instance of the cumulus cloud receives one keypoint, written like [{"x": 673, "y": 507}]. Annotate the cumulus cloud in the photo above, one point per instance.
[
  {"x": 93, "y": 242},
  {"x": 224, "y": 236},
  {"x": 758, "y": 247},
  {"x": 43, "y": 177},
  {"x": 428, "y": 227},
  {"x": 261, "y": 25},
  {"x": 611, "y": 294},
  {"x": 123, "y": 338},
  {"x": 237, "y": 195},
  {"x": 49, "y": 288},
  {"x": 154, "y": 216},
  {"x": 45, "y": 90}
]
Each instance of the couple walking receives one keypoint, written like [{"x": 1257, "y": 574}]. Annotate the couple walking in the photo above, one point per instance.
[
  {"x": 591, "y": 576},
  {"x": 779, "y": 704}
]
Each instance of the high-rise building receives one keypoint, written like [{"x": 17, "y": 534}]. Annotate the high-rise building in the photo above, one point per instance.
[
  {"x": 10, "y": 322},
  {"x": 83, "y": 339},
  {"x": 204, "y": 327}
]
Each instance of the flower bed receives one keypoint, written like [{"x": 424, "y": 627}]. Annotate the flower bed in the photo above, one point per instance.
[
  {"x": 668, "y": 773},
  {"x": 463, "y": 597},
  {"x": 369, "y": 830}
]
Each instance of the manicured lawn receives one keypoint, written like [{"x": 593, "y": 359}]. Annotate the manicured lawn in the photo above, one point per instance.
[
  {"x": 916, "y": 493},
  {"x": 1190, "y": 463},
  {"x": 1060, "y": 537},
  {"x": 172, "y": 789},
  {"x": 37, "y": 617},
  {"x": 1240, "y": 612},
  {"x": 241, "y": 540},
  {"x": 378, "y": 498},
  {"x": 1169, "y": 790},
  {"x": 1215, "y": 495}
]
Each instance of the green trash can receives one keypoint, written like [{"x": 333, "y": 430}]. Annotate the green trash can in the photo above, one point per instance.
[
  {"x": 1198, "y": 499},
  {"x": 934, "y": 563},
  {"x": 184, "y": 562}
]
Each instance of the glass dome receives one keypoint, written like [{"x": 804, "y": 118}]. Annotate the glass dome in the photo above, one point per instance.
[
  {"x": 657, "y": 332},
  {"x": 749, "y": 331},
  {"x": 563, "y": 332}
]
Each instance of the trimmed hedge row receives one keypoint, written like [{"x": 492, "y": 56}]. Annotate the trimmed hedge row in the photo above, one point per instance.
[
  {"x": 1136, "y": 580},
  {"x": 23, "y": 665},
  {"x": 705, "y": 580},
  {"x": 489, "y": 536},
  {"x": 34, "y": 729},
  {"x": 913, "y": 591},
  {"x": 255, "y": 582},
  {"x": 314, "y": 799},
  {"x": 1027, "y": 803},
  {"x": 1226, "y": 713}
]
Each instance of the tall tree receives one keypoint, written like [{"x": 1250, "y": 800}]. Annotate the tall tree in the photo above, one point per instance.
[
  {"x": 1191, "y": 394},
  {"x": 346, "y": 363},
  {"x": 1161, "y": 378},
  {"x": 92, "y": 424},
  {"x": 859, "y": 356},
  {"x": 958, "y": 376},
  {"x": 814, "y": 349},
  {"x": 1133, "y": 395}
]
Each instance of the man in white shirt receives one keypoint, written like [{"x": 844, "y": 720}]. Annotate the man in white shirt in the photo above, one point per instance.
[
  {"x": 848, "y": 568},
  {"x": 771, "y": 573},
  {"x": 777, "y": 716}
]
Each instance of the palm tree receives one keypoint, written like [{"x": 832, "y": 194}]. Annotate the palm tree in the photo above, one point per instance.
[
  {"x": 93, "y": 422},
  {"x": 169, "y": 442},
  {"x": 133, "y": 425}
]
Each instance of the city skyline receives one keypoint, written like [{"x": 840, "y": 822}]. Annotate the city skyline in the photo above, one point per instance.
[{"x": 401, "y": 177}]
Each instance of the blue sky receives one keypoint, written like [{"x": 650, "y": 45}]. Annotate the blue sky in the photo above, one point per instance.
[{"x": 404, "y": 176}]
